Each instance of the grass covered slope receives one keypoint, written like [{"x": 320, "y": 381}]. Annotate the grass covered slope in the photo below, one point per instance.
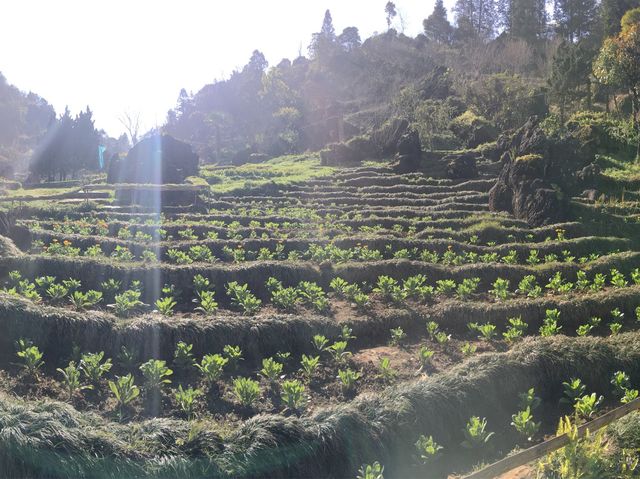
[{"x": 51, "y": 439}]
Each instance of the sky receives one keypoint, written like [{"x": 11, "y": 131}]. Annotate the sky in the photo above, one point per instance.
[{"x": 134, "y": 56}]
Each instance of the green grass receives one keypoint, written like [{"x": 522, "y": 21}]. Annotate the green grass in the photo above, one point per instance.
[
  {"x": 619, "y": 169},
  {"x": 38, "y": 192},
  {"x": 282, "y": 170}
]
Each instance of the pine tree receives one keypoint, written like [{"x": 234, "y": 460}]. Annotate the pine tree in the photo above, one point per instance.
[
  {"x": 611, "y": 12},
  {"x": 324, "y": 42},
  {"x": 478, "y": 15},
  {"x": 437, "y": 27},
  {"x": 526, "y": 19},
  {"x": 575, "y": 18}
]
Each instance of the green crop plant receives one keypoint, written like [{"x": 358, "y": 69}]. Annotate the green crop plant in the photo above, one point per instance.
[
  {"x": 534, "y": 257},
  {"x": 523, "y": 422},
  {"x": 617, "y": 279},
  {"x": 585, "y": 329},
  {"x": 246, "y": 390},
  {"x": 510, "y": 258},
  {"x": 586, "y": 406},
  {"x": 127, "y": 358},
  {"x": 182, "y": 356},
  {"x": 487, "y": 331},
  {"x": 599, "y": 282},
  {"x": 573, "y": 389},
  {"x": 285, "y": 298},
  {"x": 309, "y": 365},
  {"x": 397, "y": 336},
  {"x": 124, "y": 390},
  {"x": 43, "y": 282},
  {"x": 233, "y": 354},
  {"x": 387, "y": 373},
  {"x": 122, "y": 253},
  {"x": 201, "y": 254},
  {"x": 320, "y": 342},
  {"x": 178, "y": 257},
  {"x": 432, "y": 329},
  {"x": 93, "y": 366},
  {"x": 127, "y": 302},
  {"x": 346, "y": 333},
  {"x": 187, "y": 400},
  {"x": 82, "y": 301},
  {"x": 529, "y": 400},
  {"x": 271, "y": 369},
  {"x": 206, "y": 302},
  {"x": 110, "y": 287},
  {"x": 467, "y": 288},
  {"x": 414, "y": 287},
  {"x": 550, "y": 323},
  {"x": 348, "y": 378},
  {"x": 56, "y": 292},
  {"x": 200, "y": 283},
  {"x": 445, "y": 287},
  {"x": 293, "y": 394},
  {"x": 635, "y": 276},
  {"x": 312, "y": 295},
  {"x": 557, "y": 284},
  {"x": 187, "y": 234},
  {"x": 428, "y": 449},
  {"x": 72, "y": 284},
  {"x": 166, "y": 305},
  {"x": 476, "y": 434},
  {"x": 424, "y": 357},
  {"x": 371, "y": 471},
  {"x": 212, "y": 366},
  {"x": 468, "y": 349},
  {"x": 339, "y": 352},
  {"x": 582, "y": 282},
  {"x": 515, "y": 330},
  {"x": 243, "y": 298},
  {"x": 156, "y": 374},
  {"x": 442, "y": 338},
  {"x": 629, "y": 395},
  {"x": 500, "y": 289},
  {"x": 621, "y": 382},
  {"x": 31, "y": 356},
  {"x": 338, "y": 285},
  {"x": 529, "y": 287},
  {"x": 617, "y": 315},
  {"x": 387, "y": 287},
  {"x": 615, "y": 328},
  {"x": 71, "y": 379}
]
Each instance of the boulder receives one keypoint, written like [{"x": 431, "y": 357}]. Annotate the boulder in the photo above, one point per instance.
[
  {"x": 409, "y": 153},
  {"x": 473, "y": 130},
  {"x": 523, "y": 189},
  {"x": 461, "y": 166},
  {"x": 339, "y": 154},
  {"x": 155, "y": 160},
  {"x": 388, "y": 136}
]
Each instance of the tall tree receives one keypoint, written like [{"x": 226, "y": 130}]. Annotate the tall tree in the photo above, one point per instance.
[
  {"x": 349, "y": 39},
  {"x": 478, "y": 15},
  {"x": 323, "y": 43},
  {"x": 436, "y": 26},
  {"x": 575, "y": 18},
  {"x": 526, "y": 19},
  {"x": 390, "y": 11},
  {"x": 570, "y": 74},
  {"x": 611, "y": 12},
  {"x": 618, "y": 63}
]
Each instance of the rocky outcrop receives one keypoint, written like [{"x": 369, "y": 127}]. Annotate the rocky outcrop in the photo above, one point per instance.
[
  {"x": 387, "y": 137},
  {"x": 409, "y": 153},
  {"x": 461, "y": 166},
  {"x": 155, "y": 160},
  {"x": 340, "y": 154},
  {"x": 12, "y": 236}
]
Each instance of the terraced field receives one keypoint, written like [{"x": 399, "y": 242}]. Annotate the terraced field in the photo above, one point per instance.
[{"x": 305, "y": 329}]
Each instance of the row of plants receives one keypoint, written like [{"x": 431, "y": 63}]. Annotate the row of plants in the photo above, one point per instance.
[
  {"x": 308, "y": 294},
  {"x": 315, "y": 252}
]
